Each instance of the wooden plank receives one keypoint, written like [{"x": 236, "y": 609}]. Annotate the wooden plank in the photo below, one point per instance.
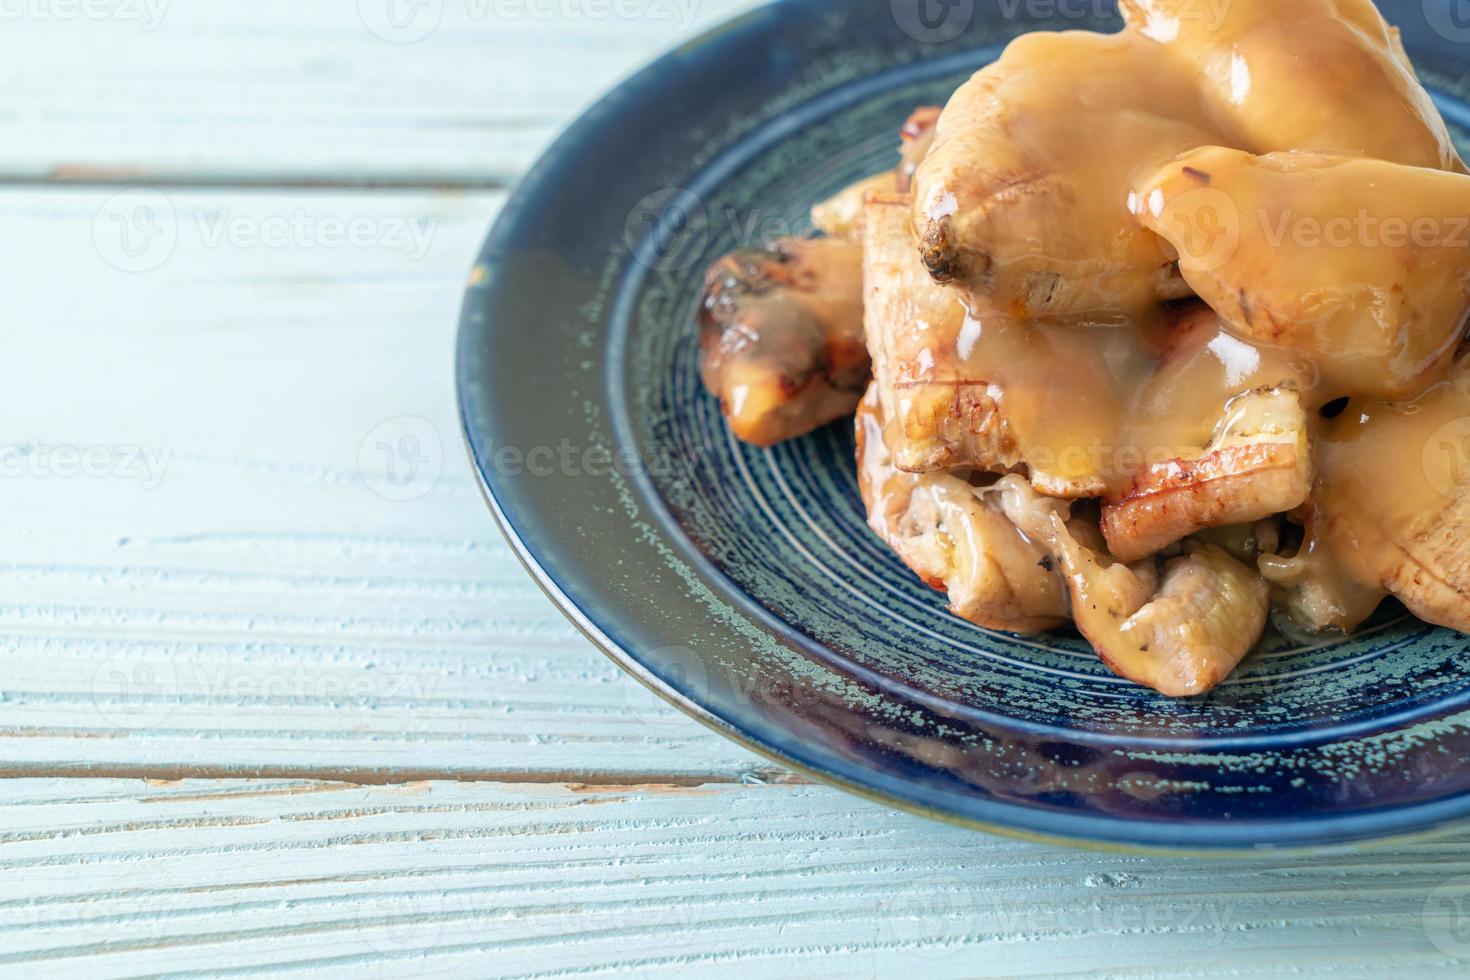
[
  {"x": 280, "y": 91},
  {"x": 251, "y": 593},
  {"x": 263, "y": 600},
  {"x": 108, "y": 878}
]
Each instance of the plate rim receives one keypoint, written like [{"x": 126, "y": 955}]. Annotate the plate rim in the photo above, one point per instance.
[
  {"x": 1413, "y": 833},
  {"x": 1177, "y": 838}
]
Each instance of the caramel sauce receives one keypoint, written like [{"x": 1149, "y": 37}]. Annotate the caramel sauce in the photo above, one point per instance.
[
  {"x": 1085, "y": 404},
  {"x": 1362, "y": 265},
  {"x": 1390, "y": 475},
  {"x": 1024, "y": 195},
  {"x": 1029, "y": 280},
  {"x": 781, "y": 337},
  {"x": 1325, "y": 75}
]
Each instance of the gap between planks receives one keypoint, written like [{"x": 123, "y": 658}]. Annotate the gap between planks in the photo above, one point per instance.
[{"x": 353, "y": 776}]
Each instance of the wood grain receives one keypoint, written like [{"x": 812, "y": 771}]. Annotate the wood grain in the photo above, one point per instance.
[
  {"x": 116, "y": 878},
  {"x": 285, "y": 92},
  {"x": 222, "y": 559},
  {"x": 260, "y": 606}
]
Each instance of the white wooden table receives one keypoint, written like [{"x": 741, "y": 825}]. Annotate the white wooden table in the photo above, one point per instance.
[{"x": 264, "y": 705}]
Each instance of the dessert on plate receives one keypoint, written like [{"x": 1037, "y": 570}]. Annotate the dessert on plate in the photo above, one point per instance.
[{"x": 1158, "y": 333}]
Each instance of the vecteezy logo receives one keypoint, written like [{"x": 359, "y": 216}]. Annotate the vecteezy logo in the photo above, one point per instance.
[
  {"x": 137, "y": 230},
  {"x": 928, "y": 913},
  {"x": 1447, "y": 458},
  {"x": 1446, "y": 917},
  {"x": 401, "y": 21},
  {"x": 1450, "y": 19},
  {"x": 682, "y": 670},
  {"x": 135, "y": 688},
  {"x": 933, "y": 21},
  {"x": 394, "y": 923},
  {"x": 1204, "y": 224},
  {"x": 668, "y": 230},
  {"x": 402, "y": 459}
]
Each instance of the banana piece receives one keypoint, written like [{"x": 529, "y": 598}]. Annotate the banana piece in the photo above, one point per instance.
[
  {"x": 1326, "y": 75},
  {"x": 1258, "y": 466},
  {"x": 1378, "y": 299},
  {"x": 841, "y": 216},
  {"x": 1390, "y": 513},
  {"x": 1023, "y": 199},
  {"x": 941, "y": 418},
  {"x": 781, "y": 337},
  {"x": 955, "y": 537},
  {"x": 1180, "y": 627}
]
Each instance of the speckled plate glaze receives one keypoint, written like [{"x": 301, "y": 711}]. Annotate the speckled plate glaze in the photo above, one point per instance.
[{"x": 743, "y": 585}]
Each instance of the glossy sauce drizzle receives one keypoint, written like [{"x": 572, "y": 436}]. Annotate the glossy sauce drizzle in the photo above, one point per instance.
[{"x": 1063, "y": 186}]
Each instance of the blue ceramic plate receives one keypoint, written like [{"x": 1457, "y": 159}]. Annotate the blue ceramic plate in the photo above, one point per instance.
[{"x": 743, "y": 585}]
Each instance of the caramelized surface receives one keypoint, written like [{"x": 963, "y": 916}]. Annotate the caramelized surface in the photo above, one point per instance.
[
  {"x": 1179, "y": 626},
  {"x": 781, "y": 331},
  {"x": 956, "y": 538},
  {"x": 781, "y": 328},
  {"x": 1213, "y": 270},
  {"x": 1280, "y": 161},
  {"x": 1023, "y": 197},
  {"x": 1277, "y": 159},
  {"x": 941, "y": 418},
  {"x": 1258, "y": 466},
  {"x": 1085, "y": 409}
]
